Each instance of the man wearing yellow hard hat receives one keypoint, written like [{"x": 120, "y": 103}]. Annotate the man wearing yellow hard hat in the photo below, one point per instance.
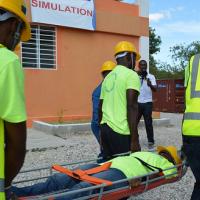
[
  {"x": 13, "y": 28},
  {"x": 118, "y": 103},
  {"x": 106, "y": 68}
]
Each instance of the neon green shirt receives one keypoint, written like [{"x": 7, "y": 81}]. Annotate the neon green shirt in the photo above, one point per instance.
[
  {"x": 113, "y": 93},
  {"x": 131, "y": 167},
  {"x": 1, "y": 153},
  {"x": 12, "y": 103},
  {"x": 12, "y": 100}
]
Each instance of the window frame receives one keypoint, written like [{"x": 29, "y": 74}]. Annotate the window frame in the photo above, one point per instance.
[{"x": 38, "y": 53}]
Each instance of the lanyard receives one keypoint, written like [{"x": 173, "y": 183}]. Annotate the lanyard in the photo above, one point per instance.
[
  {"x": 142, "y": 80},
  {"x": 147, "y": 165}
]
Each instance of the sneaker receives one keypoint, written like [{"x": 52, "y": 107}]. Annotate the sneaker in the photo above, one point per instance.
[{"x": 151, "y": 146}]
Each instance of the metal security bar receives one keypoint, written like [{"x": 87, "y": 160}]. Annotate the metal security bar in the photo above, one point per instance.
[{"x": 40, "y": 51}]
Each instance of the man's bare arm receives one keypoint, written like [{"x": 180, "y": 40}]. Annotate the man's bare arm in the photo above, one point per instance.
[
  {"x": 132, "y": 115},
  {"x": 153, "y": 87},
  {"x": 15, "y": 149}
]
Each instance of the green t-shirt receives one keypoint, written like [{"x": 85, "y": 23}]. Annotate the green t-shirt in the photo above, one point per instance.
[
  {"x": 12, "y": 102},
  {"x": 113, "y": 93},
  {"x": 131, "y": 167},
  {"x": 1, "y": 150}
]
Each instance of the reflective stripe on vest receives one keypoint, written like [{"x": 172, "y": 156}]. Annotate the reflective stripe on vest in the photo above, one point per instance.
[
  {"x": 195, "y": 67},
  {"x": 1, "y": 185},
  {"x": 191, "y": 123},
  {"x": 191, "y": 116}
]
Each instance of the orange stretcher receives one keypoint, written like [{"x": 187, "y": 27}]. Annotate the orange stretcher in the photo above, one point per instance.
[
  {"x": 115, "y": 194},
  {"x": 143, "y": 187}
]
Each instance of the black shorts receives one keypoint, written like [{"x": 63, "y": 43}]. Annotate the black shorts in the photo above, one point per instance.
[{"x": 113, "y": 143}]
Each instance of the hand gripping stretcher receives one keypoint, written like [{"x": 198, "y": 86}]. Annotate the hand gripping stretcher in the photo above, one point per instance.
[{"x": 146, "y": 182}]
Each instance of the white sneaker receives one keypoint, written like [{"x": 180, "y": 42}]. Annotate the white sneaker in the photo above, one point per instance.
[{"x": 151, "y": 146}]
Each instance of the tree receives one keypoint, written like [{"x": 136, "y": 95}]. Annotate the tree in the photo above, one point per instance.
[
  {"x": 167, "y": 71},
  {"x": 154, "y": 47},
  {"x": 182, "y": 53},
  {"x": 154, "y": 41}
]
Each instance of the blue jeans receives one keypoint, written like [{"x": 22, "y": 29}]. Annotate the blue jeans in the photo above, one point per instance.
[
  {"x": 62, "y": 181},
  {"x": 96, "y": 130},
  {"x": 191, "y": 148}
]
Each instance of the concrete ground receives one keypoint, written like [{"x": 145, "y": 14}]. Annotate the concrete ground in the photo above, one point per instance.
[
  {"x": 38, "y": 140},
  {"x": 45, "y": 150}
]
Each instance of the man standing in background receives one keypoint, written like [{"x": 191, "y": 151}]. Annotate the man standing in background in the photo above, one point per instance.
[{"x": 145, "y": 103}]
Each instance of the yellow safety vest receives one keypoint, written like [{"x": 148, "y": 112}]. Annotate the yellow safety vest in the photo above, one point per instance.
[
  {"x": 2, "y": 195},
  {"x": 191, "y": 120},
  {"x": 2, "y": 159}
]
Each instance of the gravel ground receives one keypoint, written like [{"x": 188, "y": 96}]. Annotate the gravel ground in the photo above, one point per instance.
[{"x": 84, "y": 146}]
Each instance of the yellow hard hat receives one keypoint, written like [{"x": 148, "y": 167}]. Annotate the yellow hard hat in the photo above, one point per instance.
[
  {"x": 172, "y": 151},
  {"x": 18, "y": 46},
  {"x": 108, "y": 66},
  {"x": 18, "y": 8},
  {"x": 125, "y": 46}
]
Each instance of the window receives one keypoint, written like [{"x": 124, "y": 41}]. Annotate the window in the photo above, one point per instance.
[{"x": 40, "y": 50}]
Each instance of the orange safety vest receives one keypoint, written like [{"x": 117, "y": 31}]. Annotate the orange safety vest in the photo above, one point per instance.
[{"x": 84, "y": 175}]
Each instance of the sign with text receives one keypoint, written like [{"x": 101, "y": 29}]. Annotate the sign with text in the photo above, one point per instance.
[{"x": 68, "y": 13}]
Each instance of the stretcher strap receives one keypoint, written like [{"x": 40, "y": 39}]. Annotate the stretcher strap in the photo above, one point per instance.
[
  {"x": 83, "y": 174},
  {"x": 98, "y": 169}
]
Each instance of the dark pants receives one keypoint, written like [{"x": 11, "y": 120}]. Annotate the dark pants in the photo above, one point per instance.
[
  {"x": 145, "y": 110},
  {"x": 112, "y": 142},
  {"x": 191, "y": 148}
]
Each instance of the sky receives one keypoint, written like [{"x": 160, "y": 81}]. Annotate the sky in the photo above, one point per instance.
[{"x": 175, "y": 21}]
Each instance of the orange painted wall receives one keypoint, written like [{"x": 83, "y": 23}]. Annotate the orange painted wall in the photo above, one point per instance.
[
  {"x": 66, "y": 91},
  {"x": 112, "y": 6}
]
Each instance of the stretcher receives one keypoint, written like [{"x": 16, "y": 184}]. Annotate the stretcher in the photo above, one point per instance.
[{"x": 146, "y": 183}]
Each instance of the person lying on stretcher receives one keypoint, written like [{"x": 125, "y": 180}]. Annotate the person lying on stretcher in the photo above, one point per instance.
[{"x": 122, "y": 167}]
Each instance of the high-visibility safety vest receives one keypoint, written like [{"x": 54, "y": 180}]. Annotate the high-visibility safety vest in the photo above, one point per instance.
[
  {"x": 2, "y": 159},
  {"x": 2, "y": 195},
  {"x": 191, "y": 120}
]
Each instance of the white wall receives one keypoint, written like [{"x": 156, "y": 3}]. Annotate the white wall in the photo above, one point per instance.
[{"x": 144, "y": 41}]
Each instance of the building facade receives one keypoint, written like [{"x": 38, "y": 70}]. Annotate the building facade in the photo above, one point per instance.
[{"x": 62, "y": 64}]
